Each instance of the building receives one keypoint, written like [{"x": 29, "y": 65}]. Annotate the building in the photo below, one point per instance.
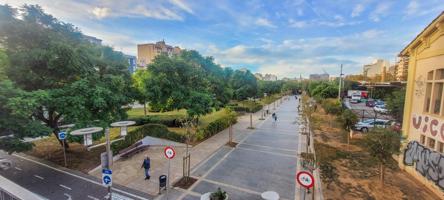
[
  {"x": 147, "y": 52},
  {"x": 376, "y": 68},
  {"x": 402, "y": 68},
  {"x": 423, "y": 121},
  {"x": 320, "y": 77},
  {"x": 266, "y": 77},
  {"x": 132, "y": 63},
  {"x": 92, "y": 39}
]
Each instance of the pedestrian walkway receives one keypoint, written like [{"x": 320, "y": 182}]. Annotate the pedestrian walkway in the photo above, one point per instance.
[
  {"x": 128, "y": 172},
  {"x": 264, "y": 160}
]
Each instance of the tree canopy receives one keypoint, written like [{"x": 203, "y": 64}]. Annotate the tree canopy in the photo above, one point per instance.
[{"x": 58, "y": 75}]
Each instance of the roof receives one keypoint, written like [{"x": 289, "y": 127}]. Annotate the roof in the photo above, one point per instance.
[{"x": 428, "y": 27}]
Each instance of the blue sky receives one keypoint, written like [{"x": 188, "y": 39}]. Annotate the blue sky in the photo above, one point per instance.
[{"x": 286, "y": 38}]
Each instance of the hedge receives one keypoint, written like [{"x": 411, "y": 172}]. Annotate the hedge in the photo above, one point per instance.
[
  {"x": 154, "y": 130},
  {"x": 167, "y": 120},
  {"x": 256, "y": 107},
  {"x": 216, "y": 126}
]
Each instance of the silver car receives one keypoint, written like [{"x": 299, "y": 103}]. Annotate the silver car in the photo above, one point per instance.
[
  {"x": 368, "y": 124},
  {"x": 5, "y": 164}
]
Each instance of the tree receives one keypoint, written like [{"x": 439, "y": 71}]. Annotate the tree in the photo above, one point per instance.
[
  {"x": 382, "y": 144},
  {"x": 395, "y": 104},
  {"x": 348, "y": 119},
  {"x": 64, "y": 77},
  {"x": 244, "y": 84},
  {"x": 177, "y": 84},
  {"x": 140, "y": 79}
]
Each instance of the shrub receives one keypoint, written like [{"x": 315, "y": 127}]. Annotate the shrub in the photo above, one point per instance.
[
  {"x": 154, "y": 130},
  {"x": 332, "y": 106},
  {"x": 167, "y": 120},
  {"x": 217, "y": 126},
  {"x": 348, "y": 119}
]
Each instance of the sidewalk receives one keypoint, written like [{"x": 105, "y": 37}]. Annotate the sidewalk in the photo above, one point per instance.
[{"x": 128, "y": 172}]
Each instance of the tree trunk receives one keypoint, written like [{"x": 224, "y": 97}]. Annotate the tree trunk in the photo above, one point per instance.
[
  {"x": 382, "y": 171},
  {"x": 144, "y": 108}
]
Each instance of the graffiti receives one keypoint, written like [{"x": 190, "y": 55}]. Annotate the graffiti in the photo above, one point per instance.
[
  {"x": 419, "y": 91},
  {"x": 429, "y": 164},
  {"x": 428, "y": 125}
]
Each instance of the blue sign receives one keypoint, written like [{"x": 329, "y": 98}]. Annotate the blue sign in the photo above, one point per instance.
[
  {"x": 62, "y": 135},
  {"x": 107, "y": 177}
]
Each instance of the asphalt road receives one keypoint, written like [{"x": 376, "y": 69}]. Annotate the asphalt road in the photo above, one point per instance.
[
  {"x": 56, "y": 183},
  {"x": 365, "y": 112}
]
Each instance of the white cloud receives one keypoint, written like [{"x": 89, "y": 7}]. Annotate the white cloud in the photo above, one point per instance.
[
  {"x": 264, "y": 22},
  {"x": 381, "y": 10},
  {"x": 357, "y": 10},
  {"x": 412, "y": 7},
  {"x": 297, "y": 24},
  {"x": 101, "y": 12},
  {"x": 182, "y": 5}
]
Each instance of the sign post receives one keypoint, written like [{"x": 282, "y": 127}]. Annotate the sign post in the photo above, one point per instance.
[
  {"x": 169, "y": 154},
  {"x": 62, "y": 137},
  {"x": 305, "y": 179}
]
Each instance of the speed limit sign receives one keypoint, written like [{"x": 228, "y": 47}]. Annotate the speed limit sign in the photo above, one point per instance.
[
  {"x": 305, "y": 179},
  {"x": 169, "y": 152}
]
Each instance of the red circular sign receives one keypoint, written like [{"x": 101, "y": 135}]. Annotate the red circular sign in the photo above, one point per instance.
[
  {"x": 305, "y": 179},
  {"x": 169, "y": 152}
]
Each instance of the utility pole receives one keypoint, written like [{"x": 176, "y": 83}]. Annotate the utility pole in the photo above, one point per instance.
[{"x": 340, "y": 84}]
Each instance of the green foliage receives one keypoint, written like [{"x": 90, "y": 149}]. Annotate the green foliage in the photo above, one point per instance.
[
  {"x": 332, "y": 106},
  {"x": 154, "y": 130},
  {"x": 66, "y": 78},
  {"x": 382, "y": 143},
  {"x": 269, "y": 87},
  {"x": 348, "y": 119},
  {"x": 324, "y": 90},
  {"x": 244, "y": 84},
  {"x": 328, "y": 173},
  {"x": 395, "y": 104},
  {"x": 292, "y": 86},
  {"x": 167, "y": 120},
  {"x": 217, "y": 125},
  {"x": 218, "y": 195}
]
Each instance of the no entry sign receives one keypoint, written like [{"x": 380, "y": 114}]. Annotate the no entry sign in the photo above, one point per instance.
[
  {"x": 305, "y": 179},
  {"x": 169, "y": 152}
]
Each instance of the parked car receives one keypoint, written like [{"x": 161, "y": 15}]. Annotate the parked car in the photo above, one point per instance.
[
  {"x": 354, "y": 101},
  {"x": 379, "y": 102},
  {"x": 370, "y": 103},
  {"x": 368, "y": 124},
  {"x": 380, "y": 109}
]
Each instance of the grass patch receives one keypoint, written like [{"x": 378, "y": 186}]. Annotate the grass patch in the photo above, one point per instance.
[{"x": 138, "y": 112}]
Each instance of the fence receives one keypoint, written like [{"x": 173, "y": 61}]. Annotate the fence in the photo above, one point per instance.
[{"x": 365, "y": 114}]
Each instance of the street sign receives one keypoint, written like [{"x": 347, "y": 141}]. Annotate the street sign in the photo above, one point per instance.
[
  {"x": 107, "y": 177},
  {"x": 62, "y": 135},
  {"x": 169, "y": 152},
  {"x": 305, "y": 179}
]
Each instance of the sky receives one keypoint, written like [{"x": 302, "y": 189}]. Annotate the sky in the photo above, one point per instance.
[{"x": 285, "y": 38}]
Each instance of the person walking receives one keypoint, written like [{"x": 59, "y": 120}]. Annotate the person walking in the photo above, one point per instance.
[{"x": 147, "y": 165}]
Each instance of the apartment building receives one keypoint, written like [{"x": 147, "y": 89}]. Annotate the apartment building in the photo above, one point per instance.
[
  {"x": 147, "y": 52},
  {"x": 378, "y": 67}
]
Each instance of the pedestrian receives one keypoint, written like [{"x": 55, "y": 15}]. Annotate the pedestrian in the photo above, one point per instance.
[
  {"x": 275, "y": 117},
  {"x": 147, "y": 165}
]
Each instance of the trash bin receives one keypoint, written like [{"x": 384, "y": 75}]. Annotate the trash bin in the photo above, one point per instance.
[{"x": 162, "y": 182}]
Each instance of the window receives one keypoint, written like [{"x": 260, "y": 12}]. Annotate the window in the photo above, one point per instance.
[
  {"x": 437, "y": 94},
  {"x": 434, "y": 92},
  {"x": 431, "y": 143},
  {"x": 440, "y": 147},
  {"x": 422, "y": 139},
  {"x": 428, "y": 95}
]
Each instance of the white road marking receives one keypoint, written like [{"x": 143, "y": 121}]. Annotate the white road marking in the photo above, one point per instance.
[
  {"x": 80, "y": 177},
  {"x": 64, "y": 186},
  {"x": 91, "y": 197},
  {"x": 17, "y": 168},
  {"x": 39, "y": 177},
  {"x": 67, "y": 195}
]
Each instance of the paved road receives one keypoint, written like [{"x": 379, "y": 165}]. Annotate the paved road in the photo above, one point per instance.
[
  {"x": 264, "y": 160},
  {"x": 54, "y": 183}
]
